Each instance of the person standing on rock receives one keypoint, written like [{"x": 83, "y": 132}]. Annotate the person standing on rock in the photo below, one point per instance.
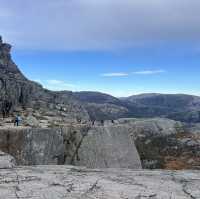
[
  {"x": 93, "y": 122},
  {"x": 17, "y": 120}
]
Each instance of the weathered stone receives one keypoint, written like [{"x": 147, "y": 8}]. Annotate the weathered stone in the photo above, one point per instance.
[
  {"x": 58, "y": 182},
  {"x": 84, "y": 145},
  {"x": 33, "y": 146},
  {"x": 31, "y": 121},
  {"x": 6, "y": 161},
  {"x": 108, "y": 147}
]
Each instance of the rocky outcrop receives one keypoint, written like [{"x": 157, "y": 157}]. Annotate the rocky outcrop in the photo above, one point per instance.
[
  {"x": 57, "y": 182},
  {"x": 82, "y": 145},
  {"x": 164, "y": 143}
]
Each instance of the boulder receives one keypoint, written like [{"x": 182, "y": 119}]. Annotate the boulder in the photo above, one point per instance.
[
  {"x": 31, "y": 121},
  {"x": 108, "y": 147},
  {"x": 6, "y": 161}
]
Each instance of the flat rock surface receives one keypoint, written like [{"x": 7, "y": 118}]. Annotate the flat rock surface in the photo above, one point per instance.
[{"x": 57, "y": 182}]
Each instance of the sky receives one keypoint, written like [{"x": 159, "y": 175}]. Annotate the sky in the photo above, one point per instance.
[{"x": 120, "y": 47}]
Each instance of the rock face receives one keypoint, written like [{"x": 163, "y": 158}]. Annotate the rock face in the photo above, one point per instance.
[
  {"x": 57, "y": 182},
  {"x": 33, "y": 146},
  {"x": 83, "y": 145},
  {"x": 108, "y": 147}
]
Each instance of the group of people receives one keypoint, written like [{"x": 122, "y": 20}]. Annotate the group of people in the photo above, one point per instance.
[
  {"x": 102, "y": 122},
  {"x": 18, "y": 119}
]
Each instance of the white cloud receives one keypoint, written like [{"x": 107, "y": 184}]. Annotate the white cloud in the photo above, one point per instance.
[
  {"x": 143, "y": 72},
  {"x": 114, "y": 74},
  {"x": 99, "y": 25},
  {"x": 148, "y": 72}
]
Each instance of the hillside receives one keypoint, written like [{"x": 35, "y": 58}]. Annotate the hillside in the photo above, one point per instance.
[{"x": 18, "y": 95}]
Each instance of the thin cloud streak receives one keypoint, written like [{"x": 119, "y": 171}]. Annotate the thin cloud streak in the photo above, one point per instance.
[
  {"x": 115, "y": 74},
  {"x": 143, "y": 72},
  {"x": 149, "y": 72}
]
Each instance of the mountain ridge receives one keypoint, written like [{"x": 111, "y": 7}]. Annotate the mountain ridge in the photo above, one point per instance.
[{"x": 17, "y": 92}]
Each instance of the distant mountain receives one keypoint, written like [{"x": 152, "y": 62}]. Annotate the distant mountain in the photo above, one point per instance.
[
  {"x": 185, "y": 108},
  {"x": 102, "y": 106},
  {"x": 96, "y": 97},
  {"x": 180, "y": 107}
]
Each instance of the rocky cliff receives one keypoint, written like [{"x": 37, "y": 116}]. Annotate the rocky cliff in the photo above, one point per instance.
[
  {"x": 81, "y": 145},
  {"x": 18, "y": 94}
]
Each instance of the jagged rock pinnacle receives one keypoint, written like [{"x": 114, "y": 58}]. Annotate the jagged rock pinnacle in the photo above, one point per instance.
[{"x": 6, "y": 62}]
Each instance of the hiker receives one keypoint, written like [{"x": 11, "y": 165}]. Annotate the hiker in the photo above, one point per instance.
[
  {"x": 102, "y": 122},
  {"x": 93, "y": 122},
  {"x": 112, "y": 121},
  {"x": 3, "y": 114},
  {"x": 17, "y": 120}
]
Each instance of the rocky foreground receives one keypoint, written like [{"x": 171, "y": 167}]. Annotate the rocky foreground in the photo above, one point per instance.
[{"x": 59, "y": 182}]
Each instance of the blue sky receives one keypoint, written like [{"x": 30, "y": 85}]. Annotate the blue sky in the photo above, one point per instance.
[{"x": 118, "y": 47}]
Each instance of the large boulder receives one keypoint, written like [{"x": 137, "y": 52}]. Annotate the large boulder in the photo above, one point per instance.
[
  {"x": 108, "y": 147},
  {"x": 82, "y": 145},
  {"x": 6, "y": 161}
]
